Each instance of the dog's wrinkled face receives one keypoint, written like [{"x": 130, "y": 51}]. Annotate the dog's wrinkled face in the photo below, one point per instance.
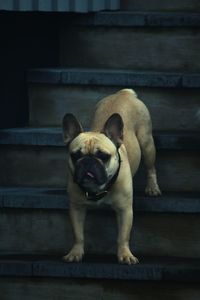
[
  {"x": 93, "y": 160},
  {"x": 93, "y": 156}
]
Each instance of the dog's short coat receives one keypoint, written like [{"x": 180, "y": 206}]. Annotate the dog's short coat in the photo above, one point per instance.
[{"x": 103, "y": 161}]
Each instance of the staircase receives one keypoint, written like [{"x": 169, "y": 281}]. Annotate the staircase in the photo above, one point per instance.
[{"x": 158, "y": 55}]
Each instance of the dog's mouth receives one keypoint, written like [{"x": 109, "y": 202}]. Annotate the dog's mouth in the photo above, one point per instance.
[{"x": 90, "y": 175}]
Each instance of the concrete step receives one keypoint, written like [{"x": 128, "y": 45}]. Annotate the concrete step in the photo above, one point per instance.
[
  {"x": 127, "y": 40},
  {"x": 113, "y": 77},
  {"x": 60, "y": 6},
  {"x": 172, "y": 99},
  {"x": 156, "y": 5},
  {"x": 52, "y": 136},
  {"x": 52, "y": 198},
  {"x": 37, "y": 157},
  {"x": 94, "y": 267},
  {"x": 80, "y": 289},
  {"x": 48, "y": 278},
  {"x": 30, "y": 220},
  {"x": 140, "y": 18}
]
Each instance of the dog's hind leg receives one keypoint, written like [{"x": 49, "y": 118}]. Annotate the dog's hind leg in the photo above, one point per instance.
[{"x": 145, "y": 139}]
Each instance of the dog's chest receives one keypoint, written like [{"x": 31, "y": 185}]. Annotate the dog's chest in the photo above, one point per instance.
[{"x": 105, "y": 201}]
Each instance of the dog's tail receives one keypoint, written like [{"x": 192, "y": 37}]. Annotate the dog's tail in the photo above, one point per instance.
[{"x": 128, "y": 91}]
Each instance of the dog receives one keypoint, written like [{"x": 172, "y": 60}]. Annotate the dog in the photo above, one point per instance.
[{"x": 103, "y": 162}]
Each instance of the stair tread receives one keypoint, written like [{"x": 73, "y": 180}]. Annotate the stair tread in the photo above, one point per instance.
[
  {"x": 137, "y": 19},
  {"x": 52, "y": 198},
  {"x": 52, "y": 136},
  {"x": 111, "y": 77},
  {"x": 104, "y": 267}
]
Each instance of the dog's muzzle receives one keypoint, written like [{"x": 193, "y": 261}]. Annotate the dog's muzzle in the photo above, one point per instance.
[{"x": 90, "y": 173}]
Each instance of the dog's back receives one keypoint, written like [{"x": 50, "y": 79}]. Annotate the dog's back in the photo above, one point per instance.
[
  {"x": 123, "y": 102},
  {"x": 135, "y": 117}
]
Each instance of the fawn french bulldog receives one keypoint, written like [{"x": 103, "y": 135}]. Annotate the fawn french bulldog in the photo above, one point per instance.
[{"x": 103, "y": 162}]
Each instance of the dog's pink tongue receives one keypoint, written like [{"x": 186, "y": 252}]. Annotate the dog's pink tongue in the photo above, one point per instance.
[{"x": 90, "y": 174}]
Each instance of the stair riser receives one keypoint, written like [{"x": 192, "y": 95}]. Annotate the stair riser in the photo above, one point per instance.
[
  {"x": 156, "y": 5},
  {"x": 131, "y": 48},
  {"x": 47, "y": 166},
  {"x": 171, "y": 109},
  {"x": 46, "y": 288},
  {"x": 49, "y": 231}
]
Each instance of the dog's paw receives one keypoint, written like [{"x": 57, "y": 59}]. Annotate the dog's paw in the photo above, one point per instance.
[
  {"x": 153, "y": 189},
  {"x": 75, "y": 255},
  {"x": 126, "y": 257}
]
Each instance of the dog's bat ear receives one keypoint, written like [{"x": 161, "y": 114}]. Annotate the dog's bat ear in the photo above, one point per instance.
[
  {"x": 71, "y": 128},
  {"x": 113, "y": 129}
]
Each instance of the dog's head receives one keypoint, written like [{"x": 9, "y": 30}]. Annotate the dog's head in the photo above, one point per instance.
[{"x": 93, "y": 156}]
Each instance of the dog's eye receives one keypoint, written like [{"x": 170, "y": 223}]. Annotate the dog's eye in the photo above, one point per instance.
[
  {"x": 76, "y": 156},
  {"x": 103, "y": 156}
]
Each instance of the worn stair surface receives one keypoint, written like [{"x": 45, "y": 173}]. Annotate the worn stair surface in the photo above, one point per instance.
[
  {"x": 37, "y": 157},
  {"x": 132, "y": 41},
  {"x": 178, "y": 5},
  {"x": 53, "y": 136},
  {"x": 134, "y": 19},
  {"x": 32, "y": 217},
  {"x": 37, "y": 276},
  {"x": 172, "y": 98},
  {"x": 154, "y": 269},
  {"x": 157, "y": 54},
  {"x": 46, "y": 287},
  {"x": 86, "y": 76},
  {"x": 51, "y": 198}
]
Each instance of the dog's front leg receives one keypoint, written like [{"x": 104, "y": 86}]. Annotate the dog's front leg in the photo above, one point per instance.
[
  {"x": 77, "y": 215},
  {"x": 125, "y": 219}
]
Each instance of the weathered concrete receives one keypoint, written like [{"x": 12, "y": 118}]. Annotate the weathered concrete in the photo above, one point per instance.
[
  {"x": 157, "y": 49},
  {"x": 46, "y": 166},
  {"x": 48, "y": 288},
  {"x": 51, "y": 198},
  {"x": 61, "y": 6},
  {"x": 134, "y": 19},
  {"x": 102, "y": 267},
  {"x": 53, "y": 136},
  {"x": 156, "y": 5},
  {"x": 49, "y": 232},
  {"x": 113, "y": 77},
  {"x": 80, "y": 289},
  {"x": 171, "y": 109}
]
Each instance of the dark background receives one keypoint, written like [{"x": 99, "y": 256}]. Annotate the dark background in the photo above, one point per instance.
[{"x": 28, "y": 40}]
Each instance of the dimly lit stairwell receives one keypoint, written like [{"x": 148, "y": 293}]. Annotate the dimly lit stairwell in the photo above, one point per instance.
[{"x": 156, "y": 54}]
